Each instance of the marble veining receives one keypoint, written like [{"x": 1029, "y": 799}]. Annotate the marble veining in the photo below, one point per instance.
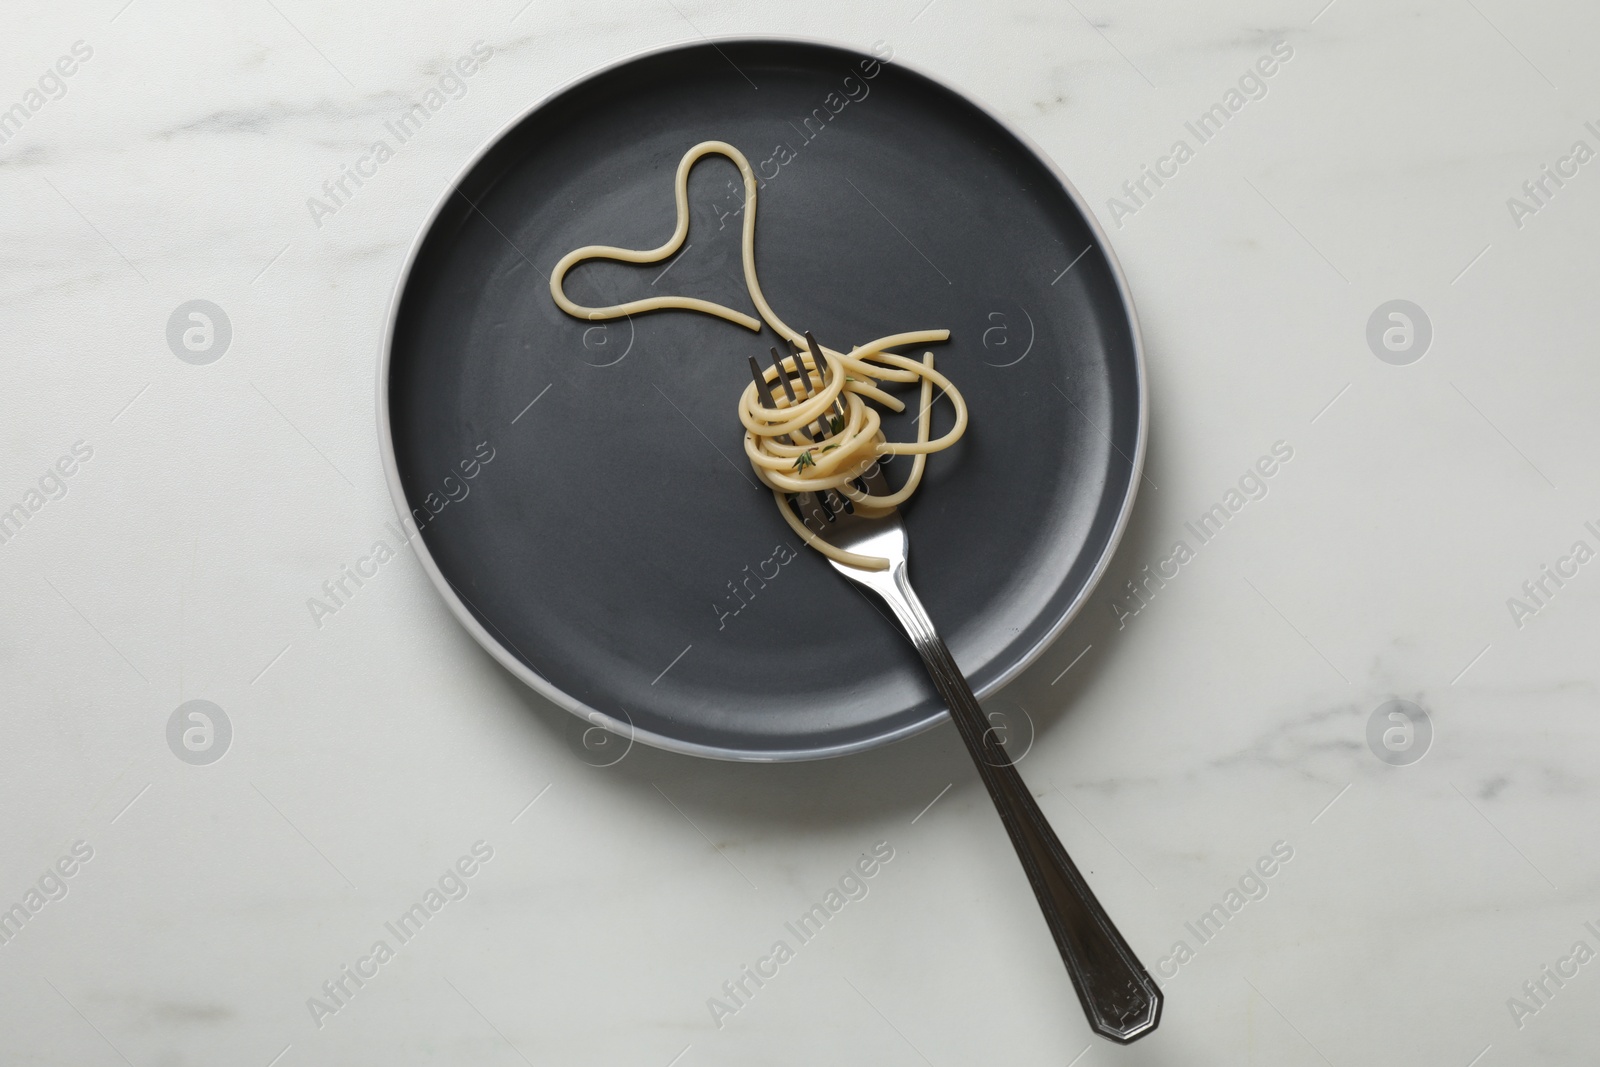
[{"x": 224, "y": 898}]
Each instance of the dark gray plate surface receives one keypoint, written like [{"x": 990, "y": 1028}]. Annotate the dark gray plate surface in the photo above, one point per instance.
[{"x": 598, "y": 552}]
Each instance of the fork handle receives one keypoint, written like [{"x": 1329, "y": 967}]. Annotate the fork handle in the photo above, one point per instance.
[{"x": 1119, "y": 997}]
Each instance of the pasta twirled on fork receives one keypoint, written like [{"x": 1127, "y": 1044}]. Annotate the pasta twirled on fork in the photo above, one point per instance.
[{"x": 822, "y": 432}]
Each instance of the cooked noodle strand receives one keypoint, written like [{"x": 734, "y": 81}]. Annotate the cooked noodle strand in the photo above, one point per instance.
[{"x": 828, "y": 436}]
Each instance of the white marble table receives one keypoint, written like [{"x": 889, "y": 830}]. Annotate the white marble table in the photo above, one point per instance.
[{"x": 208, "y": 904}]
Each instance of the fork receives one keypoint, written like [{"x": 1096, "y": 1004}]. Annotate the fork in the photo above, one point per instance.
[{"x": 1119, "y": 997}]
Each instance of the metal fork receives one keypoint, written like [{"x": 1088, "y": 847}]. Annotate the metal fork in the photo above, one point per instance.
[{"x": 1119, "y": 997}]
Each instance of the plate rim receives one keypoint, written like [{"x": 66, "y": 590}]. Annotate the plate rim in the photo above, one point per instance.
[{"x": 624, "y": 727}]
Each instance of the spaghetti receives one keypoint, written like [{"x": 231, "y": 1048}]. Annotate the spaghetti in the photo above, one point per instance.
[{"x": 820, "y": 432}]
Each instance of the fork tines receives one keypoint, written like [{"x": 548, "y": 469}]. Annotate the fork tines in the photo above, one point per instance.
[
  {"x": 764, "y": 392},
  {"x": 829, "y": 502}
]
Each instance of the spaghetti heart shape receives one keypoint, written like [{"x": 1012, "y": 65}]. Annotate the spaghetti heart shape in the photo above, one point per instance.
[
  {"x": 820, "y": 435},
  {"x": 656, "y": 255}
]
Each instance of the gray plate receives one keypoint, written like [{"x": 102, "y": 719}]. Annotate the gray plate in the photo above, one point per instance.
[{"x": 615, "y": 552}]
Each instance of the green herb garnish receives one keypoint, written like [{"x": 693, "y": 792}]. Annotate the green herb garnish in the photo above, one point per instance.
[
  {"x": 804, "y": 460},
  {"x": 836, "y": 423}
]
